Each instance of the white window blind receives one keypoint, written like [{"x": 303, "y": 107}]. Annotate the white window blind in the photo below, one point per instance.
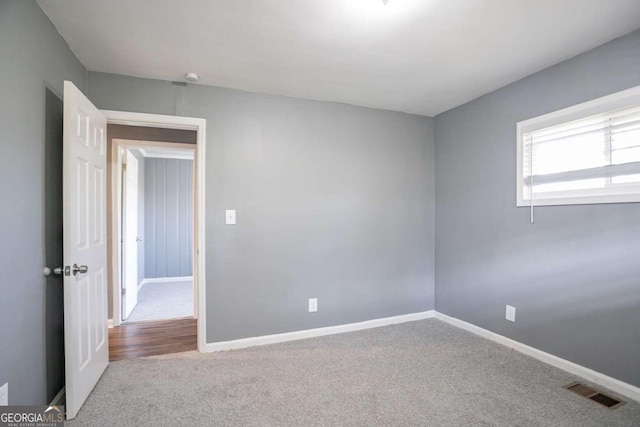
[{"x": 592, "y": 159}]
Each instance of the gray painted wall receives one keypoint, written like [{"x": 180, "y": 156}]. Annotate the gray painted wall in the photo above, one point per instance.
[
  {"x": 336, "y": 202},
  {"x": 574, "y": 275},
  {"x": 34, "y": 58},
  {"x": 333, "y": 201},
  {"x": 168, "y": 221}
]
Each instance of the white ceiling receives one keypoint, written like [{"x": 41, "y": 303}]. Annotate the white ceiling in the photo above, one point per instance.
[{"x": 417, "y": 56}]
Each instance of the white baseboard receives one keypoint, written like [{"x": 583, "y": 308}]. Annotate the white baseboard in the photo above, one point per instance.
[
  {"x": 164, "y": 280},
  {"x": 625, "y": 389},
  {"x": 620, "y": 387},
  {"x": 110, "y": 323},
  {"x": 318, "y": 332},
  {"x": 59, "y": 398}
]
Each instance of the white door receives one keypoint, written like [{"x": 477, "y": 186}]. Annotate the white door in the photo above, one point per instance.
[
  {"x": 85, "y": 247},
  {"x": 130, "y": 236}
]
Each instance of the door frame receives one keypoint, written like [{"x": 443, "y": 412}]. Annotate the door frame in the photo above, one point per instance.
[
  {"x": 119, "y": 147},
  {"x": 122, "y": 213},
  {"x": 199, "y": 273}
]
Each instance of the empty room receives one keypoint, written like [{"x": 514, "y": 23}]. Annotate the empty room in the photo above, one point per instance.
[{"x": 320, "y": 212}]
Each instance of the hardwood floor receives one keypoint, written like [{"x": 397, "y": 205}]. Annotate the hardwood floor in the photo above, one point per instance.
[{"x": 133, "y": 340}]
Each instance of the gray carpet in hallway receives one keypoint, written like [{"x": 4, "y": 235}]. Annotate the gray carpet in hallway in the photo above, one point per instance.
[
  {"x": 159, "y": 301},
  {"x": 424, "y": 373}
]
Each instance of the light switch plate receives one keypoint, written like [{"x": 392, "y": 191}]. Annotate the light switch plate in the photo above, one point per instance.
[
  {"x": 4, "y": 395},
  {"x": 313, "y": 305},
  {"x": 230, "y": 217},
  {"x": 510, "y": 314}
]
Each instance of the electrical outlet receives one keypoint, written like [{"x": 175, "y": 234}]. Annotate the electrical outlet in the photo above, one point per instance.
[
  {"x": 510, "y": 314},
  {"x": 4, "y": 395},
  {"x": 313, "y": 305}
]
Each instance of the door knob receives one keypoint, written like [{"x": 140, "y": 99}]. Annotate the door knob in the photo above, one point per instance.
[
  {"x": 57, "y": 271},
  {"x": 79, "y": 269}
]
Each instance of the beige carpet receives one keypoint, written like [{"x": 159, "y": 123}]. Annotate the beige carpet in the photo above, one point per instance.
[
  {"x": 424, "y": 373},
  {"x": 160, "y": 301}
]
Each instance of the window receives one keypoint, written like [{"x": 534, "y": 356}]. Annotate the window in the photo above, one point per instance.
[{"x": 588, "y": 153}]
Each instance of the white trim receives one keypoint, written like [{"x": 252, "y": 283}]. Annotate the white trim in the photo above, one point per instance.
[
  {"x": 58, "y": 398},
  {"x": 174, "y": 148},
  {"x": 188, "y": 123},
  {"x": 625, "y": 389},
  {"x": 620, "y": 387},
  {"x": 116, "y": 231},
  {"x": 519, "y": 167},
  {"x": 153, "y": 120},
  {"x": 582, "y": 200},
  {"x": 164, "y": 280},
  {"x": 182, "y": 155},
  {"x": 589, "y": 108},
  {"x": 110, "y": 323},
  {"x": 600, "y": 105},
  {"x": 317, "y": 332}
]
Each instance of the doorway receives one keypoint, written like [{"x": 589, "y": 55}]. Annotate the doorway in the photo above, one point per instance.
[
  {"x": 157, "y": 230},
  {"x": 129, "y": 245}
]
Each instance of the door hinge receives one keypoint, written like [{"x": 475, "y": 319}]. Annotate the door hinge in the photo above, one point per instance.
[
  {"x": 124, "y": 166},
  {"x": 124, "y": 291}
]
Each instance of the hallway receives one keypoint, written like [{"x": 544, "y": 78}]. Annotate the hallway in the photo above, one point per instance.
[{"x": 163, "y": 301}]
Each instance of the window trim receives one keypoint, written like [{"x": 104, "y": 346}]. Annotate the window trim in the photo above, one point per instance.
[{"x": 622, "y": 99}]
